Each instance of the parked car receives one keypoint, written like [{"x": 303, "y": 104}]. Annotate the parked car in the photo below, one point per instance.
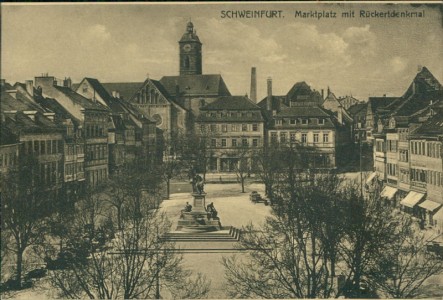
[{"x": 256, "y": 198}]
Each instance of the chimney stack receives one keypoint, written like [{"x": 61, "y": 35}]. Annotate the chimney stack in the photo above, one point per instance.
[
  {"x": 269, "y": 98},
  {"x": 413, "y": 87},
  {"x": 67, "y": 82},
  {"x": 253, "y": 92},
  {"x": 30, "y": 87},
  {"x": 322, "y": 94}
]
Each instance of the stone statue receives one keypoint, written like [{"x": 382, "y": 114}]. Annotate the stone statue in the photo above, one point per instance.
[
  {"x": 198, "y": 184},
  {"x": 212, "y": 212}
]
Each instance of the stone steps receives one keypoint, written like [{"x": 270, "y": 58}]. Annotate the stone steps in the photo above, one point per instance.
[{"x": 229, "y": 234}]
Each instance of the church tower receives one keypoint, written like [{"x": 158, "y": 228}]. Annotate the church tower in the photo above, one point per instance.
[{"x": 190, "y": 52}]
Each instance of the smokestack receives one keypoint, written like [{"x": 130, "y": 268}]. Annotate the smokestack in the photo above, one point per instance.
[
  {"x": 253, "y": 93},
  {"x": 30, "y": 87},
  {"x": 269, "y": 98}
]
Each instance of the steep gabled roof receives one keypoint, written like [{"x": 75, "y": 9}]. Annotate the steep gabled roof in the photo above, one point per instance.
[
  {"x": 99, "y": 89},
  {"x": 277, "y": 102},
  {"x": 231, "y": 103},
  {"x": 423, "y": 89},
  {"x": 57, "y": 108},
  {"x": 433, "y": 127},
  {"x": 380, "y": 102},
  {"x": 358, "y": 109},
  {"x": 79, "y": 99},
  {"x": 125, "y": 89},
  {"x": 199, "y": 85}
]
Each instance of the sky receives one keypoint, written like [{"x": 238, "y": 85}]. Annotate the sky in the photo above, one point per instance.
[{"x": 127, "y": 42}]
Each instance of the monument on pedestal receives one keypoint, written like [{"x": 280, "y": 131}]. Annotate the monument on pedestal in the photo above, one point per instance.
[{"x": 198, "y": 217}]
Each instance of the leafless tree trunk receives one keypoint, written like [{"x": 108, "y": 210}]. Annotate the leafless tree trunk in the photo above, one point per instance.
[{"x": 24, "y": 203}]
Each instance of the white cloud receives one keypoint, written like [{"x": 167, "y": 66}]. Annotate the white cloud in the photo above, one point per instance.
[
  {"x": 398, "y": 64},
  {"x": 98, "y": 32},
  {"x": 361, "y": 40}
]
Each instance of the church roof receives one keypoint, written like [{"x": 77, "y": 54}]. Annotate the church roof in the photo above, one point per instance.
[{"x": 195, "y": 85}]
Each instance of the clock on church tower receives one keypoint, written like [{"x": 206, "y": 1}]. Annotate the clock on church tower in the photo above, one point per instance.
[{"x": 190, "y": 49}]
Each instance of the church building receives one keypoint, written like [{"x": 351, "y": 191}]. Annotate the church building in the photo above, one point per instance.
[{"x": 175, "y": 101}]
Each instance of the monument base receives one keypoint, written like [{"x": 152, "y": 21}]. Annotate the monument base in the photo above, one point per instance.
[{"x": 198, "y": 220}]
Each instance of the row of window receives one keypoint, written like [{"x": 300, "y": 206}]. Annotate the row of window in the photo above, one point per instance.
[
  {"x": 229, "y": 127},
  {"x": 430, "y": 149},
  {"x": 95, "y": 130},
  {"x": 151, "y": 97},
  {"x": 431, "y": 177},
  {"x": 74, "y": 149},
  {"x": 43, "y": 147},
  {"x": 304, "y": 137},
  {"x": 234, "y": 142},
  {"x": 49, "y": 173},
  {"x": 95, "y": 177},
  {"x": 73, "y": 168},
  {"x": 94, "y": 152},
  {"x": 222, "y": 114},
  {"x": 8, "y": 159},
  {"x": 299, "y": 121}
]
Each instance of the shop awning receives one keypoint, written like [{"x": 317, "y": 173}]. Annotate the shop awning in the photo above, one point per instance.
[
  {"x": 430, "y": 205},
  {"x": 388, "y": 192},
  {"x": 372, "y": 176},
  {"x": 438, "y": 215},
  {"x": 412, "y": 199}
]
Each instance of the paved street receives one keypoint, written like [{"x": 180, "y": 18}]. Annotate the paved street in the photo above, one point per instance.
[{"x": 234, "y": 209}]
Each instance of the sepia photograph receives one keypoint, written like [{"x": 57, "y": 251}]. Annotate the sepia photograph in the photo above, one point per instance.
[{"x": 221, "y": 150}]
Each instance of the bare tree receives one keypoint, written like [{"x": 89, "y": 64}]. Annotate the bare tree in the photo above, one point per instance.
[
  {"x": 293, "y": 255},
  {"x": 24, "y": 206},
  {"x": 401, "y": 270},
  {"x": 135, "y": 262},
  {"x": 197, "y": 152}
]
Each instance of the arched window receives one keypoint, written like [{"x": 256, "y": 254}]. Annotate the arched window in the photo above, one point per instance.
[{"x": 186, "y": 62}]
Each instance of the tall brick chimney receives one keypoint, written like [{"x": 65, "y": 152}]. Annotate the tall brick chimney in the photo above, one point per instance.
[
  {"x": 253, "y": 93},
  {"x": 269, "y": 98}
]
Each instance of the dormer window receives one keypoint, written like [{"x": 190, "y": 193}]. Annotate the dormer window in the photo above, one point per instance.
[
  {"x": 321, "y": 121},
  {"x": 304, "y": 121},
  {"x": 292, "y": 121},
  {"x": 278, "y": 122}
]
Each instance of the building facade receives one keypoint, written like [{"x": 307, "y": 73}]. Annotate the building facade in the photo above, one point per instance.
[{"x": 234, "y": 129}]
